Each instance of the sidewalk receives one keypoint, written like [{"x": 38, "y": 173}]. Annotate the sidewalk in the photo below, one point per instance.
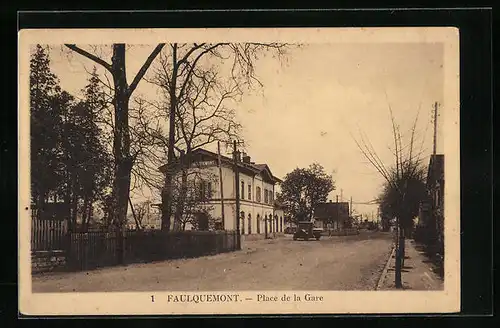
[{"x": 417, "y": 273}]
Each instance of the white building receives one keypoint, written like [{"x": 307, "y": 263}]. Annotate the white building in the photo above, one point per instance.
[{"x": 257, "y": 193}]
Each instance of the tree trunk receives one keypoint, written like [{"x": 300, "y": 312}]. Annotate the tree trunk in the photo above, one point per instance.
[
  {"x": 67, "y": 203},
  {"x": 167, "y": 192},
  {"x": 403, "y": 241},
  {"x": 179, "y": 211},
  {"x": 74, "y": 204},
  {"x": 90, "y": 212},
  {"x": 85, "y": 213},
  {"x": 397, "y": 277},
  {"x": 138, "y": 224},
  {"x": 121, "y": 144}
]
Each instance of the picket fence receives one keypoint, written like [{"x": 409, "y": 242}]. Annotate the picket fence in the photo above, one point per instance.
[
  {"x": 92, "y": 250},
  {"x": 48, "y": 235}
]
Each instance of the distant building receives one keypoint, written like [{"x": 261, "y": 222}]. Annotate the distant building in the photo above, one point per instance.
[
  {"x": 331, "y": 215},
  {"x": 256, "y": 185},
  {"x": 431, "y": 214}
]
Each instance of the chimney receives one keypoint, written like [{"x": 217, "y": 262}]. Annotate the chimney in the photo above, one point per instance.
[{"x": 246, "y": 158}]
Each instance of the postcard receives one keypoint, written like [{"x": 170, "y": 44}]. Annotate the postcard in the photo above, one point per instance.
[{"x": 239, "y": 171}]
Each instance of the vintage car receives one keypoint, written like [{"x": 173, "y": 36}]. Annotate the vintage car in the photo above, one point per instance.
[{"x": 306, "y": 230}]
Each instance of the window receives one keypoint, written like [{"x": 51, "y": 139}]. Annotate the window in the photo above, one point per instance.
[
  {"x": 258, "y": 223},
  {"x": 205, "y": 190},
  {"x": 242, "y": 193},
  {"x": 249, "y": 224},
  {"x": 209, "y": 190},
  {"x": 201, "y": 190},
  {"x": 257, "y": 194},
  {"x": 270, "y": 196},
  {"x": 266, "y": 196},
  {"x": 249, "y": 192}
]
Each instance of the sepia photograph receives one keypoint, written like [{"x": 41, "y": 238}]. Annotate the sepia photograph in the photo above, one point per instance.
[{"x": 239, "y": 171}]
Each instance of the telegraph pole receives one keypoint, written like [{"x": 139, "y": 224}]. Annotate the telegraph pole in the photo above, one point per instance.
[
  {"x": 237, "y": 193},
  {"x": 435, "y": 127},
  {"x": 338, "y": 218},
  {"x": 350, "y": 209},
  {"x": 221, "y": 185}
]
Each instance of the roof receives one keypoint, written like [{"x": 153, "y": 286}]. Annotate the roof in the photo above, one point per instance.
[
  {"x": 329, "y": 210},
  {"x": 250, "y": 168}
]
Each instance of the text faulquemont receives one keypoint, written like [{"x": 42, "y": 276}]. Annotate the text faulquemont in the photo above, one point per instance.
[{"x": 203, "y": 298}]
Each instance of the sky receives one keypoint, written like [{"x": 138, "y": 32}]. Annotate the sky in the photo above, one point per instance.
[{"x": 316, "y": 100}]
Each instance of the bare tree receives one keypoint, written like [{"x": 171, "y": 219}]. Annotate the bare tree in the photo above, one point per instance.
[
  {"x": 122, "y": 91},
  {"x": 404, "y": 184},
  {"x": 197, "y": 93},
  {"x": 192, "y": 199},
  {"x": 139, "y": 212}
]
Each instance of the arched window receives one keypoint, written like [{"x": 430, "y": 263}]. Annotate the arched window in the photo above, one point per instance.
[
  {"x": 258, "y": 223},
  {"x": 249, "y": 224},
  {"x": 281, "y": 224},
  {"x": 242, "y": 223}
]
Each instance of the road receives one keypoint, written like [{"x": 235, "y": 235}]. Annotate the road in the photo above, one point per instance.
[{"x": 332, "y": 263}]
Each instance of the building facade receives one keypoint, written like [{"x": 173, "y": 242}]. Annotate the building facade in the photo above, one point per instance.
[
  {"x": 431, "y": 215},
  {"x": 256, "y": 187},
  {"x": 331, "y": 215}
]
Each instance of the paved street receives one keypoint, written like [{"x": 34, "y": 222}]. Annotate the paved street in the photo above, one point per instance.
[{"x": 333, "y": 263}]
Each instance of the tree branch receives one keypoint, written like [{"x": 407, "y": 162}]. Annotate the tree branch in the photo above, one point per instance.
[
  {"x": 144, "y": 68},
  {"x": 90, "y": 56}
]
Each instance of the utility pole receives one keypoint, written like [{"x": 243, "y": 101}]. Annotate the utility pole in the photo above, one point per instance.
[
  {"x": 221, "y": 185},
  {"x": 237, "y": 192},
  {"x": 350, "y": 209},
  {"x": 338, "y": 218},
  {"x": 435, "y": 127}
]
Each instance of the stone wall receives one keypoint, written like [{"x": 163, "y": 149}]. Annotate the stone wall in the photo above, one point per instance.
[{"x": 46, "y": 261}]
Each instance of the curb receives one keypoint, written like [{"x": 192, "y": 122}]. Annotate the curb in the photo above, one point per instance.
[{"x": 384, "y": 272}]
